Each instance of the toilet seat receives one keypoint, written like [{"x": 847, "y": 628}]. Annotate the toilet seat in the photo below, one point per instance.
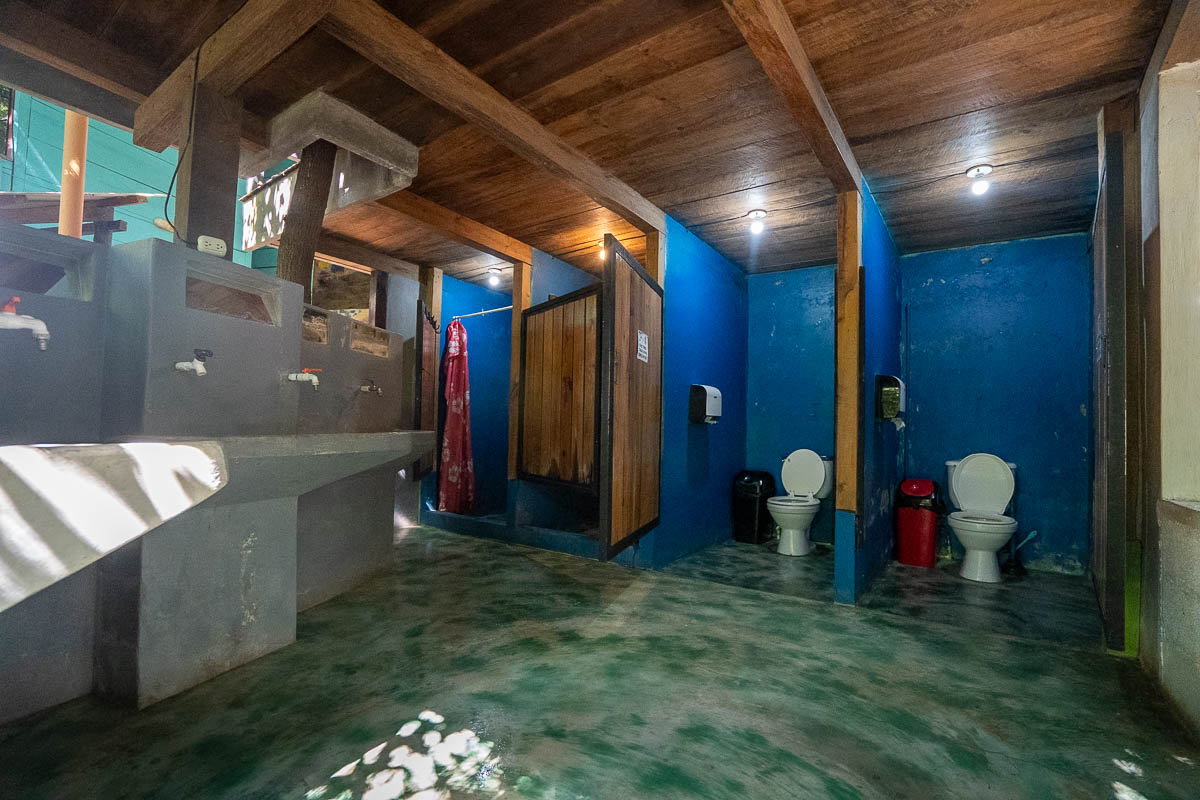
[
  {"x": 803, "y": 475},
  {"x": 983, "y": 484},
  {"x": 792, "y": 501},
  {"x": 981, "y": 518}
]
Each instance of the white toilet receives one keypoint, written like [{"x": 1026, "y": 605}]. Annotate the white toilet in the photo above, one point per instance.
[
  {"x": 981, "y": 485},
  {"x": 807, "y": 479}
]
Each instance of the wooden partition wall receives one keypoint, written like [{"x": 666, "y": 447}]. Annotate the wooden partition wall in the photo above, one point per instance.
[{"x": 591, "y": 396}]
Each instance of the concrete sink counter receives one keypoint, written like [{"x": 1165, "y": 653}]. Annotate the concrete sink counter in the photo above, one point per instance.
[{"x": 216, "y": 587}]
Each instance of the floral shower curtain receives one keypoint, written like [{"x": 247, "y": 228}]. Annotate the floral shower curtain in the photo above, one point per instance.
[{"x": 456, "y": 478}]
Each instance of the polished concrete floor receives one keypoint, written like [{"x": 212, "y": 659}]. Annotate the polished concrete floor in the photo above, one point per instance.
[
  {"x": 1039, "y": 605},
  {"x": 476, "y": 668}
]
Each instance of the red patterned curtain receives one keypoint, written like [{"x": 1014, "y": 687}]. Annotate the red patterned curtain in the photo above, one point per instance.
[{"x": 456, "y": 478}]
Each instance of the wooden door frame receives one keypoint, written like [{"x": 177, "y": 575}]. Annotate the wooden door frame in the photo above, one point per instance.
[{"x": 613, "y": 248}]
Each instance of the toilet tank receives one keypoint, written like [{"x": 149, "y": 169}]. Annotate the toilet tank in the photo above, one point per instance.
[
  {"x": 826, "y": 487},
  {"x": 950, "y": 465}
]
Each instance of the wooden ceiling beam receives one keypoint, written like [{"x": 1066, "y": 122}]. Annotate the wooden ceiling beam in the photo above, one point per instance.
[
  {"x": 768, "y": 30},
  {"x": 458, "y": 228},
  {"x": 259, "y": 32},
  {"x": 378, "y": 36},
  {"x": 340, "y": 251},
  {"x": 44, "y": 38}
]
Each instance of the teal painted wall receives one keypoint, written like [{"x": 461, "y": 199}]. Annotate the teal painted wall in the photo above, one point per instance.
[{"x": 114, "y": 164}]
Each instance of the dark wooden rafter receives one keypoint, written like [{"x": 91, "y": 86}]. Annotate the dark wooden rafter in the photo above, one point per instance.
[
  {"x": 253, "y": 36},
  {"x": 769, "y": 32},
  {"x": 459, "y": 228},
  {"x": 398, "y": 49}
]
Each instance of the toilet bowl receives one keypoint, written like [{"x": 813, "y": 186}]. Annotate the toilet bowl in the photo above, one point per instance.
[
  {"x": 807, "y": 479},
  {"x": 981, "y": 485}
]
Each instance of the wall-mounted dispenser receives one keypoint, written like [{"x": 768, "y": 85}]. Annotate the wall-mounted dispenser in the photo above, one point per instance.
[
  {"x": 704, "y": 404},
  {"x": 889, "y": 397}
]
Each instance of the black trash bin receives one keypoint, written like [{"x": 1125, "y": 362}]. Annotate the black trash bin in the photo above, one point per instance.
[{"x": 751, "y": 518}]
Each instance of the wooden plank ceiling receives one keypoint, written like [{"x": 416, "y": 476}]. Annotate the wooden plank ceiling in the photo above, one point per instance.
[{"x": 666, "y": 95}]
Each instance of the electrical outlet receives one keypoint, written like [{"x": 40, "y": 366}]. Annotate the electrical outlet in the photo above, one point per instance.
[{"x": 212, "y": 245}]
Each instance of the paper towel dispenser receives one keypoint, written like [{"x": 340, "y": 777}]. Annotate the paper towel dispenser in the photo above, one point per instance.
[
  {"x": 704, "y": 404},
  {"x": 889, "y": 397}
]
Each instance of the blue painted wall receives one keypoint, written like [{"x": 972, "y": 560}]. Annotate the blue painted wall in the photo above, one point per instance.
[
  {"x": 706, "y": 323},
  {"x": 790, "y": 373},
  {"x": 552, "y": 276},
  {"x": 489, "y": 343},
  {"x": 998, "y": 361},
  {"x": 883, "y": 444},
  {"x": 114, "y": 164}
]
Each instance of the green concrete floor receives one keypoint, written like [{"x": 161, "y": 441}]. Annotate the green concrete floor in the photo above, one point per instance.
[
  {"x": 588, "y": 680},
  {"x": 1039, "y": 605}
]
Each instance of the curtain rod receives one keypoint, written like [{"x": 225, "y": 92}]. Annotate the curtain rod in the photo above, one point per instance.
[{"x": 480, "y": 313}]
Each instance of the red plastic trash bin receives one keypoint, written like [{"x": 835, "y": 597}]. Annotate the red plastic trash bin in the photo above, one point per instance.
[{"x": 916, "y": 523}]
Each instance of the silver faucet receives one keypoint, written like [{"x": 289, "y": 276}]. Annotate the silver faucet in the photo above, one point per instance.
[
  {"x": 308, "y": 375},
  {"x": 11, "y": 320},
  {"x": 370, "y": 388},
  {"x": 196, "y": 365}
]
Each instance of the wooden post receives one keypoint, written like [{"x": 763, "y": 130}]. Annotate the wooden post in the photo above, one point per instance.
[
  {"x": 522, "y": 275},
  {"x": 302, "y": 225},
  {"x": 430, "y": 293},
  {"x": 848, "y": 400},
  {"x": 74, "y": 167},
  {"x": 205, "y": 200},
  {"x": 848, "y": 335},
  {"x": 656, "y": 256},
  {"x": 379, "y": 289}
]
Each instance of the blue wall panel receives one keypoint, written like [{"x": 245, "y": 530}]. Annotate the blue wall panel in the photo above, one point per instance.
[
  {"x": 554, "y": 277},
  {"x": 882, "y": 443},
  {"x": 999, "y": 362},
  {"x": 706, "y": 325},
  {"x": 489, "y": 343},
  {"x": 790, "y": 373}
]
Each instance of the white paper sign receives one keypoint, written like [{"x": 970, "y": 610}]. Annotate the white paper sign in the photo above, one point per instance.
[{"x": 643, "y": 347}]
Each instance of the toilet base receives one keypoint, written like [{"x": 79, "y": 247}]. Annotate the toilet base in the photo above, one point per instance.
[
  {"x": 794, "y": 542},
  {"x": 981, "y": 566}
]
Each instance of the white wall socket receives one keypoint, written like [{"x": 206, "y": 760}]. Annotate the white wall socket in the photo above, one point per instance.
[{"x": 212, "y": 245}]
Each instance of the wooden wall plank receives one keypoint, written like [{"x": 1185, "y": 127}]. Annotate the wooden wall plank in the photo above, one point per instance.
[{"x": 848, "y": 345}]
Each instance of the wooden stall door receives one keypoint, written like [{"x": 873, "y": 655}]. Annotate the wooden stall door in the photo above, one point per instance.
[
  {"x": 631, "y": 403},
  {"x": 559, "y": 377}
]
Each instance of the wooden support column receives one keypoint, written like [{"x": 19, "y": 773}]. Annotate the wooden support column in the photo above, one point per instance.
[
  {"x": 430, "y": 293},
  {"x": 74, "y": 167},
  {"x": 848, "y": 398},
  {"x": 302, "y": 226},
  {"x": 656, "y": 256},
  {"x": 522, "y": 277},
  {"x": 206, "y": 191},
  {"x": 379, "y": 299}
]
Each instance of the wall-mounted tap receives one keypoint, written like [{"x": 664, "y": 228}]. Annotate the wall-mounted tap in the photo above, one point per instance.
[
  {"x": 196, "y": 365},
  {"x": 11, "y": 320},
  {"x": 308, "y": 374},
  {"x": 370, "y": 388}
]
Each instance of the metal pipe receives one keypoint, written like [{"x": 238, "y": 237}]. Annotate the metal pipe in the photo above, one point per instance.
[
  {"x": 74, "y": 166},
  {"x": 481, "y": 313}
]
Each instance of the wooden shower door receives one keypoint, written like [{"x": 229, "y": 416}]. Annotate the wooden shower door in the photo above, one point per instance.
[{"x": 631, "y": 403}]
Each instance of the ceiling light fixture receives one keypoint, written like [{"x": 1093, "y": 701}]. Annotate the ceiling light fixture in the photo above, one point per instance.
[
  {"x": 494, "y": 276},
  {"x": 978, "y": 175},
  {"x": 757, "y": 225}
]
